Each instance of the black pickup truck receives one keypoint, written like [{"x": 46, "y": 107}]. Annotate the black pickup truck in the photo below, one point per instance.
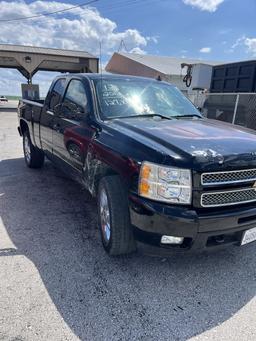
[{"x": 164, "y": 176}]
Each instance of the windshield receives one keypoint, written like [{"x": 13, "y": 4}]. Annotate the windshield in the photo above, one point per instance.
[{"x": 126, "y": 97}]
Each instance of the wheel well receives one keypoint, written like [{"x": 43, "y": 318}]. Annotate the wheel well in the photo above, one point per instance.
[
  {"x": 102, "y": 171},
  {"x": 23, "y": 126}
]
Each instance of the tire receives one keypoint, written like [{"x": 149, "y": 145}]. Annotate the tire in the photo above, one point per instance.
[
  {"x": 114, "y": 218},
  {"x": 34, "y": 157}
]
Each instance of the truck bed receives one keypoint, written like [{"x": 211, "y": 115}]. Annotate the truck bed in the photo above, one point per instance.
[{"x": 31, "y": 112}]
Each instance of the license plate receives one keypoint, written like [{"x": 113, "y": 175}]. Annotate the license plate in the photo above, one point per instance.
[{"x": 249, "y": 236}]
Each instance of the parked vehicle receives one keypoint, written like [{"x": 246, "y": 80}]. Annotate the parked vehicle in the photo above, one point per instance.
[
  {"x": 164, "y": 176},
  {"x": 3, "y": 99}
]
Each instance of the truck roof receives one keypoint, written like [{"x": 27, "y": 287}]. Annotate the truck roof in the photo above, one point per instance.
[{"x": 104, "y": 76}]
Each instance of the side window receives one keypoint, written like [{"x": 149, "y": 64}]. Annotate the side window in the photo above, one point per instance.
[
  {"x": 56, "y": 93},
  {"x": 75, "y": 99}
]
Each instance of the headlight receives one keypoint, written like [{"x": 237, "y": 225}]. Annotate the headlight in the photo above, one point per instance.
[{"x": 163, "y": 183}]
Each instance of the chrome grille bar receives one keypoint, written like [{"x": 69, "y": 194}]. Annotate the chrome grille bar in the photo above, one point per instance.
[
  {"x": 225, "y": 198},
  {"x": 228, "y": 177}
]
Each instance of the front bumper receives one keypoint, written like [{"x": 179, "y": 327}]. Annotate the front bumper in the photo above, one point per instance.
[{"x": 200, "y": 228}]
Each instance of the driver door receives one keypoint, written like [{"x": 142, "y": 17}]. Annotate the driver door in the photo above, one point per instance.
[{"x": 70, "y": 125}]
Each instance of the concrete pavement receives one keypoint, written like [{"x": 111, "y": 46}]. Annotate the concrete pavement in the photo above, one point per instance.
[{"x": 57, "y": 283}]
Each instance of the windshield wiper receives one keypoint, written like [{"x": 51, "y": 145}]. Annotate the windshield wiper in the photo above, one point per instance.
[
  {"x": 188, "y": 115},
  {"x": 143, "y": 115}
]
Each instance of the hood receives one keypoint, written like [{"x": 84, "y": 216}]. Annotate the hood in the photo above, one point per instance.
[{"x": 203, "y": 141}]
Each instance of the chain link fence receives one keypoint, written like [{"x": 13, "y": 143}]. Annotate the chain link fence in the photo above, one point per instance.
[{"x": 236, "y": 108}]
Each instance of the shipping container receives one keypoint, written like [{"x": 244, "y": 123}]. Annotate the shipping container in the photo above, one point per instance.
[{"x": 234, "y": 77}]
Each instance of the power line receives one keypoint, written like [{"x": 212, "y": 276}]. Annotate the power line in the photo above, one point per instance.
[
  {"x": 119, "y": 6},
  {"x": 118, "y": 3},
  {"x": 49, "y": 13},
  {"x": 115, "y": 6}
]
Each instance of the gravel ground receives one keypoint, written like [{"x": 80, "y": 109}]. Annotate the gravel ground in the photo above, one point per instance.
[{"x": 56, "y": 282}]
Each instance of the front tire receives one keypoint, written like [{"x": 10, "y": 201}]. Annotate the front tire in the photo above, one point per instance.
[
  {"x": 114, "y": 218},
  {"x": 34, "y": 157}
]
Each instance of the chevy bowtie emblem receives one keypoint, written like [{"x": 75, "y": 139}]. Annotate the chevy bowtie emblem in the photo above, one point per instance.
[{"x": 254, "y": 185}]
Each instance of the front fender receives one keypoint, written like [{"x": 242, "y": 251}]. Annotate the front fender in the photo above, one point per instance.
[
  {"x": 94, "y": 169},
  {"x": 101, "y": 162}
]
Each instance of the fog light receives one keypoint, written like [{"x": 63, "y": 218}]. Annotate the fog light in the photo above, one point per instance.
[{"x": 172, "y": 240}]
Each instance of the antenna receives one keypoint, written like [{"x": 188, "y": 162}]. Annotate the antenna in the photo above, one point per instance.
[
  {"x": 100, "y": 58},
  {"x": 122, "y": 46},
  {"x": 100, "y": 65}
]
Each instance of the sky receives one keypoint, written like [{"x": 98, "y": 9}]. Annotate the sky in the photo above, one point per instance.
[{"x": 221, "y": 30}]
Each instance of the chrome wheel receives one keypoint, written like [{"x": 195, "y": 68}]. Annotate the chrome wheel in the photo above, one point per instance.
[
  {"x": 105, "y": 216},
  {"x": 27, "y": 149}
]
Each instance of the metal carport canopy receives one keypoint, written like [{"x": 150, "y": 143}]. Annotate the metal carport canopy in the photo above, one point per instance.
[{"x": 30, "y": 59}]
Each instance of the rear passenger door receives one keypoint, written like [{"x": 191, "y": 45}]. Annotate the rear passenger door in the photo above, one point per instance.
[
  {"x": 71, "y": 132},
  {"x": 50, "y": 109}
]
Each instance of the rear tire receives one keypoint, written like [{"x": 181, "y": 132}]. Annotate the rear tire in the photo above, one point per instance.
[
  {"x": 114, "y": 218},
  {"x": 34, "y": 157}
]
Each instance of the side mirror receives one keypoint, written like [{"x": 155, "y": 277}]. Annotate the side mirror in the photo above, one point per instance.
[
  {"x": 73, "y": 111},
  {"x": 69, "y": 107},
  {"x": 56, "y": 108}
]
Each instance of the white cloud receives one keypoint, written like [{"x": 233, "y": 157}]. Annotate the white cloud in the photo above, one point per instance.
[
  {"x": 238, "y": 42},
  {"x": 250, "y": 43},
  {"x": 204, "y": 5},
  {"x": 205, "y": 50},
  {"x": 225, "y": 31},
  {"x": 137, "y": 50},
  {"x": 78, "y": 29},
  {"x": 11, "y": 80},
  {"x": 154, "y": 39}
]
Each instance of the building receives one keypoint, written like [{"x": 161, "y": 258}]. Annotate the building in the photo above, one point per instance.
[{"x": 168, "y": 68}]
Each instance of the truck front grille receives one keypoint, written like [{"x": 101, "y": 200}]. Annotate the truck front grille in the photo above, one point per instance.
[
  {"x": 225, "y": 198},
  {"x": 224, "y": 178}
]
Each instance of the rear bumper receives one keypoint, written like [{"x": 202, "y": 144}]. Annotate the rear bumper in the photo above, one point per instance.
[{"x": 200, "y": 230}]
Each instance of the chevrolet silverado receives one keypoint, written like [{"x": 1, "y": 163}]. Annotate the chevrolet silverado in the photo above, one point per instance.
[{"x": 164, "y": 176}]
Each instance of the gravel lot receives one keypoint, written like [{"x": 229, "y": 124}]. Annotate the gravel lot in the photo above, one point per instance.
[{"x": 56, "y": 282}]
